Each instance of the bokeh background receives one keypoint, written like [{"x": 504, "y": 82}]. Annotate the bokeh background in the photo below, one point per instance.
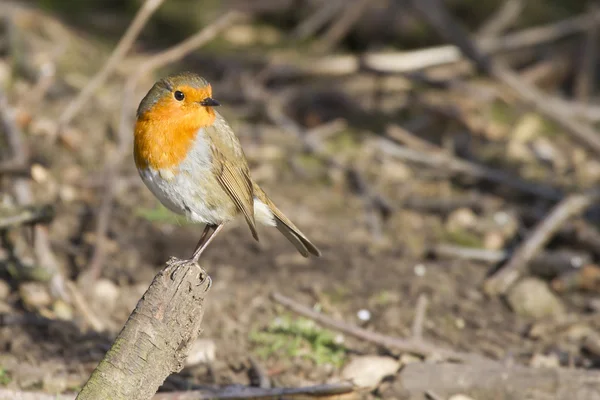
[{"x": 420, "y": 173}]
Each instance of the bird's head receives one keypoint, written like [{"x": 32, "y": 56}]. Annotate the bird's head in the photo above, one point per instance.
[
  {"x": 169, "y": 118},
  {"x": 183, "y": 96}
]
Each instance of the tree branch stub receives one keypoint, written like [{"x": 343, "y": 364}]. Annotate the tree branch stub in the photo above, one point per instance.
[{"x": 156, "y": 338}]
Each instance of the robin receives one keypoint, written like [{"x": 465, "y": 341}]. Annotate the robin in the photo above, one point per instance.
[{"x": 192, "y": 161}]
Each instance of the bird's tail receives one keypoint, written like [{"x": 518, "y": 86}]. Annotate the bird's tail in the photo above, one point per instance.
[{"x": 287, "y": 227}]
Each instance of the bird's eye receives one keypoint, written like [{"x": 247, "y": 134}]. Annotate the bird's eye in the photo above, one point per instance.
[{"x": 179, "y": 95}]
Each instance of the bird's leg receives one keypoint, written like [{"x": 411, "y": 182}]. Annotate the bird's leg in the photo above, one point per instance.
[
  {"x": 206, "y": 233},
  {"x": 205, "y": 239}
]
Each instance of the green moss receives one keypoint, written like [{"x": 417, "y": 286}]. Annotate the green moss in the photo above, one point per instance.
[
  {"x": 502, "y": 113},
  {"x": 464, "y": 238},
  {"x": 5, "y": 377},
  {"x": 299, "y": 337}
]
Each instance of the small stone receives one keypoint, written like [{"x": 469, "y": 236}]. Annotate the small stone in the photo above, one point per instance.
[
  {"x": 406, "y": 358},
  {"x": 4, "y": 289},
  {"x": 420, "y": 270},
  {"x": 493, "y": 241},
  {"x": 203, "y": 351},
  {"x": 39, "y": 173},
  {"x": 34, "y": 295},
  {"x": 67, "y": 193},
  {"x": 531, "y": 297},
  {"x": 460, "y": 397},
  {"x": 594, "y": 305},
  {"x": 62, "y": 310},
  {"x": 5, "y": 308},
  {"x": 460, "y": 219},
  {"x": 364, "y": 315},
  {"x": 105, "y": 294},
  {"x": 544, "y": 361},
  {"x": 368, "y": 371}
]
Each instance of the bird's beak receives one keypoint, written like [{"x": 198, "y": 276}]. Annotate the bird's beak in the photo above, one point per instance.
[{"x": 209, "y": 102}]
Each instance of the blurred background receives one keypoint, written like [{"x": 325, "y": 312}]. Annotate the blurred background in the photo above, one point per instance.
[{"x": 443, "y": 155}]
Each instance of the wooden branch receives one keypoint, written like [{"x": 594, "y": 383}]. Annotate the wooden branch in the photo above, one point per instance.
[
  {"x": 439, "y": 17},
  {"x": 317, "y": 20},
  {"x": 491, "y": 381},
  {"x": 13, "y": 217},
  {"x": 447, "y": 162},
  {"x": 543, "y": 232},
  {"x": 23, "y": 194},
  {"x": 156, "y": 338},
  {"x": 138, "y": 23},
  {"x": 243, "y": 392},
  {"x": 339, "y": 29},
  {"x": 412, "y": 345},
  {"x": 503, "y": 18},
  {"x": 401, "y": 62},
  {"x": 227, "y": 392},
  {"x": 585, "y": 83}
]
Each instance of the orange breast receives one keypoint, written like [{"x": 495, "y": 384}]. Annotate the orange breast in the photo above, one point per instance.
[{"x": 164, "y": 136}]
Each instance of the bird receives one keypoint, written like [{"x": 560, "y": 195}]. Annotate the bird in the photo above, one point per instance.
[{"x": 191, "y": 160}]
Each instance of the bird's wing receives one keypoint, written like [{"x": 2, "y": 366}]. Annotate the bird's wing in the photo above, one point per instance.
[{"x": 231, "y": 169}]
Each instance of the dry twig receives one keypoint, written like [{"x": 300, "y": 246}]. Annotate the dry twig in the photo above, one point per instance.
[
  {"x": 418, "y": 322},
  {"x": 227, "y": 392},
  {"x": 572, "y": 205},
  {"x": 502, "y": 19},
  {"x": 412, "y": 345},
  {"x": 584, "y": 86},
  {"x": 438, "y": 16},
  {"x": 340, "y": 28},
  {"x": 439, "y": 158},
  {"x": 134, "y": 29},
  {"x": 401, "y": 62},
  {"x": 13, "y": 217},
  {"x": 317, "y": 20},
  {"x": 43, "y": 251},
  {"x": 242, "y": 392}
]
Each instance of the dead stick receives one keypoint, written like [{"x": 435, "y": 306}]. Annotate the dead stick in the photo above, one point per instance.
[
  {"x": 415, "y": 346},
  {"x": 156, "y": 338},
  {"x": 237, "y": 392},
  {"x": 542, "y": 233},
  {"x": 419, "y": 321},
  {"x": 317, "y": 20},
  {"x": 456, "y": 165},
  {"x": 24, "y": 196},
  {"x": 439, "y": 17},
  {"x": 227, "y": 392},
  {"x": 338, "y": 30},
  {"x": 507, "y": 15},
  {"x": 400, "y": 62},
  {"x": 139, "y": 21},
  {"x": 13, "y": 217},
  {"x": 177, "y": 52},
  {"x": 584, "y": 86}
]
